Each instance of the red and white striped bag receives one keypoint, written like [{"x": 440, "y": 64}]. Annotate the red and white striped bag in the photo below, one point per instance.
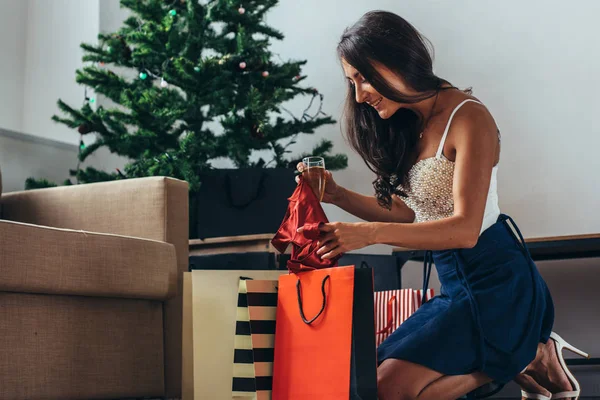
[
  {"x": 393, "y": 307},
  {"x": 419, "y": 297}
]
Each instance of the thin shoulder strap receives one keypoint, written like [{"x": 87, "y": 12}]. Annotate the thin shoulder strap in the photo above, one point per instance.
[{"x": 443, "y": 141}]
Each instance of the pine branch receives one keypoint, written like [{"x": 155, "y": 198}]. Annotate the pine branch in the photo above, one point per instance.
[
  {"x": 91, "y": 175},
  {"x": 270, "y": 32},
  {"x": 324, "y": 146},
  {"x": 89, "y": 149},
  {"x": 77, "y": 116},
  {"x": 32, "y": 183}
]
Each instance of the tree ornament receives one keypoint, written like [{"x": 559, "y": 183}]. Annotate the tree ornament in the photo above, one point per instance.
[
  {"x": 242, "y": 10},
  {"x": 143, "y": 75},
  {"x": 242, "y": 65},
  {"x": 101, "y": 64},
  {"x": 109, "y": 49},
  {"x": 257, "y": 132},
  {"x": 221, "y": 62},
  {"x": 92, "y": 100},
  {"x": 81, "y": 145},
  {"x": 173, "y": 13},
  {"x": 83, "y": 129},
  {"x": 163, "y": 83},
  {"x": 297, "y": 77},
  {"x": 265, "y": 73},
  {"x": 197, "y": 69}
]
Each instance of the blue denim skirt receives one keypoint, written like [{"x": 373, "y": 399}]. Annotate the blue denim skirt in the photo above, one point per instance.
[{"x": 493, "y": 310}]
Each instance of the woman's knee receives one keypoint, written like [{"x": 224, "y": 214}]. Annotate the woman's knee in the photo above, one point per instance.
[{"x": 391, "y": 385}]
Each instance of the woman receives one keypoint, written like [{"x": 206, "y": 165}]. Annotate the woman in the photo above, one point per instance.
[{"x": 435, "y": 152}]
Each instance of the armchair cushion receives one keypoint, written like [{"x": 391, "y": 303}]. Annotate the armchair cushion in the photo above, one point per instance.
[{"x": 44, "y": 260}]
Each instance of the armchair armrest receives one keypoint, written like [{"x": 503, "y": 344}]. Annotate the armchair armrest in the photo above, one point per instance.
[
  {"x": 142, "y": 207},
  {"x": 151, "y": 208}
]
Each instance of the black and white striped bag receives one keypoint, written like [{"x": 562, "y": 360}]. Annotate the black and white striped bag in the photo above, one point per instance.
[{"x": 254, "y": 340}]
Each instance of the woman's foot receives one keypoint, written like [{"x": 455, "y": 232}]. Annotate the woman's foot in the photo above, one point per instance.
[
  {"x": 530, "y": 389},
  {"x": 549, "y": 370}
]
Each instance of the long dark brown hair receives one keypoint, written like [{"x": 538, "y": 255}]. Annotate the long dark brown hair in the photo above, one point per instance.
[{"x": 387, "y": 146}]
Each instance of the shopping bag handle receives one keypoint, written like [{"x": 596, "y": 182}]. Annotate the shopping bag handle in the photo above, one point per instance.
[
  {"x": 390, "y": 319},
  {"x": 298, "y": 288}
]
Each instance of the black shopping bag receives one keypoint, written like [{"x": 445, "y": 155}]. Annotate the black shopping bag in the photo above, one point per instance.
[
  {"x": 246, "y": 201},
  {"x": 386, "y": 268},
  {"x": 259, "y": 260}
]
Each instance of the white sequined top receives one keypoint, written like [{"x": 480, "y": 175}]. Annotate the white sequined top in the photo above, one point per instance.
[{"x": 429, "y": 186}]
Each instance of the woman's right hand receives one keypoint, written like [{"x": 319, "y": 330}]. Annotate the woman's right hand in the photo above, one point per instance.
[{"x": 332, "y": 189}]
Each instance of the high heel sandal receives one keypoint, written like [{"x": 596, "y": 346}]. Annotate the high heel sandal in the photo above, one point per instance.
[
  {"x": 561, "y": 344},
  {"x": 534, "y": 396}
]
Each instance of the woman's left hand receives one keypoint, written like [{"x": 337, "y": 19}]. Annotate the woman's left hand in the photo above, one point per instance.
[{"x": 341, "y": 237}]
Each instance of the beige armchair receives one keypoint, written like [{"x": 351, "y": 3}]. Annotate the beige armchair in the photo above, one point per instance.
[{"x": 90, "y": 290}]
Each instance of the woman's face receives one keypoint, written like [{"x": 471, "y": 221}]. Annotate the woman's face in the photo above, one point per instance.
[{"x": 365, "y": 93}]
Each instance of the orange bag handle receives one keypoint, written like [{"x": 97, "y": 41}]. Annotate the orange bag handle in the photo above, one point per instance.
[
  {"x": 390, "y": 320},
  {"x": 308, "y": 322}
]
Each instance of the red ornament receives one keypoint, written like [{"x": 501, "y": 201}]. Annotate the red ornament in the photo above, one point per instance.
[
  {"x": 84, "y": 128},
  {"x": 265, "y": 73},
  {"x": 242, "y": 65}
]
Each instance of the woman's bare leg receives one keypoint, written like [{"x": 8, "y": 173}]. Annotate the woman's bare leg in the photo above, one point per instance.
[
  {"x": 451, "y": 387},
  {"x": 403, "y": 380}
]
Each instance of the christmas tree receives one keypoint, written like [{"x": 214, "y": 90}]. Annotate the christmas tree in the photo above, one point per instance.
[{"x": 192, "y": 82}]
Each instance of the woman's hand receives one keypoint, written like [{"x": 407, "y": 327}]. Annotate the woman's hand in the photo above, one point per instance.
[
  {"x": 341, "y": 237},
  {"x": 332, "y": 189}
]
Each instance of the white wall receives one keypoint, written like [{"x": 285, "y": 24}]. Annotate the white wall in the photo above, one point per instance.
[
  {"x": 39, "y": 43},
  {"x": 13, "y": 24},
  {"x": 55, "y": 30},
  {"x": 533, "y": 63},
  {"x": 112, "y": 15}
]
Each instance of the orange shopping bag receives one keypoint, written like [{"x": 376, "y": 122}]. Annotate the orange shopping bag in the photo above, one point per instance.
[{"x": 325, "y": 336}]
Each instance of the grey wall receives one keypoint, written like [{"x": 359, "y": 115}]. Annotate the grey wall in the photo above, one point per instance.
[
  {"x": 55, "y": 30},
  {"x": 23, "y": 156},
  {"x": 39, "y": 48},
  {"x": 13, "y": 28}
]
